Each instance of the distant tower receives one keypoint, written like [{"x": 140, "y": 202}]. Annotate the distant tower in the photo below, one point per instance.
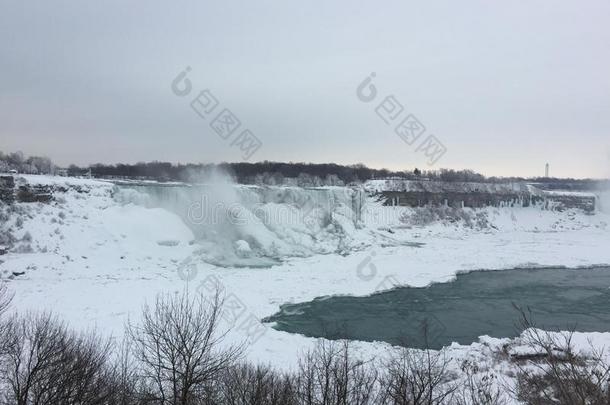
[{"x": 546, "y": 171}]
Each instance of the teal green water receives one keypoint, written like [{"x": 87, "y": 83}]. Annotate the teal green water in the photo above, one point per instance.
[{"x": 475, "y": 304}]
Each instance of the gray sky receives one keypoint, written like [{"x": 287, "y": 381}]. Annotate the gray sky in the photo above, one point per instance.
[{"x": 505, "y": 86}]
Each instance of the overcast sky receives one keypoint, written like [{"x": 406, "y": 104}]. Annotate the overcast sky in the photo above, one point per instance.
[{"x": 505, "y": 86}]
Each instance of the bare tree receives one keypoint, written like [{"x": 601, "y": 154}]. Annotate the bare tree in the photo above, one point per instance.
[
  {"x": 45, "y": 363},
  {"x": 246, "y": 384},
  {"x": 557, "y": 374},
  {"x": 6, "y": 297},
  {"x": 479, "y": 388},
  {"x": 417, "y": 377},
  {"x": 123, "y": 378},
  {"x": 34, "y": 346},
  {"x": 5, "y": 301},
  {"x": 328, "y": 375},
  {"x": 177, "y": 348}
]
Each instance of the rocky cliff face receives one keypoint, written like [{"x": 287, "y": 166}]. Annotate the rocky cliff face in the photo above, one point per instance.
[
  {"x": 479, "y": 195},
  {"x": 21, "y": 191},
  {"x": 38, "y": 193},
  {"x": 7, "y": 189}
]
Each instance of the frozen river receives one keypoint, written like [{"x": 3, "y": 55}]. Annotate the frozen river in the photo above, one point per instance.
[{"x": 475, "y": 304}]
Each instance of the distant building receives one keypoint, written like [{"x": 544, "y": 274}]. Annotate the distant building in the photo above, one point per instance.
[{"x": 546, "y": 171}]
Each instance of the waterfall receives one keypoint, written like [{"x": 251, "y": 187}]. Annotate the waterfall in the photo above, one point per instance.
[{"x": 250, "y": 224}]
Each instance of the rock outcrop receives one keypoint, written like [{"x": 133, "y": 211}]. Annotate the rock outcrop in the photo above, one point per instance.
[
  {"x": 7, "y": 189},
  {"x": 479, "y": 195},
  {"x": 38, "y": 193}
]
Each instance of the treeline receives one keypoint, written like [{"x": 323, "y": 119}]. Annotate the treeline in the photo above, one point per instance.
[
  {"x": 316, "y": 174},
  {"x": 249, "y": 173},
  {"x": 276, "y": 173},
  {"x": 271, "y": 173},
  {"x": 29, "y": 165},
  {"x": 177, "y": 354}
]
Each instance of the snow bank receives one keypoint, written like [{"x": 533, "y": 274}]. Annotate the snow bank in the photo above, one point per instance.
[{"x": 34, "y": 179}]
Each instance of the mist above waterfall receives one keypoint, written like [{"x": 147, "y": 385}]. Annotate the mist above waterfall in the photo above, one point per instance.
[
  {"x": 254, "y": 225},
  {"x": 603, "y": 192}
]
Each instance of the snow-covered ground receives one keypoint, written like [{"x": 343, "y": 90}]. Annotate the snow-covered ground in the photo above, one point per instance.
[{"x": 96, "y": 257}]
